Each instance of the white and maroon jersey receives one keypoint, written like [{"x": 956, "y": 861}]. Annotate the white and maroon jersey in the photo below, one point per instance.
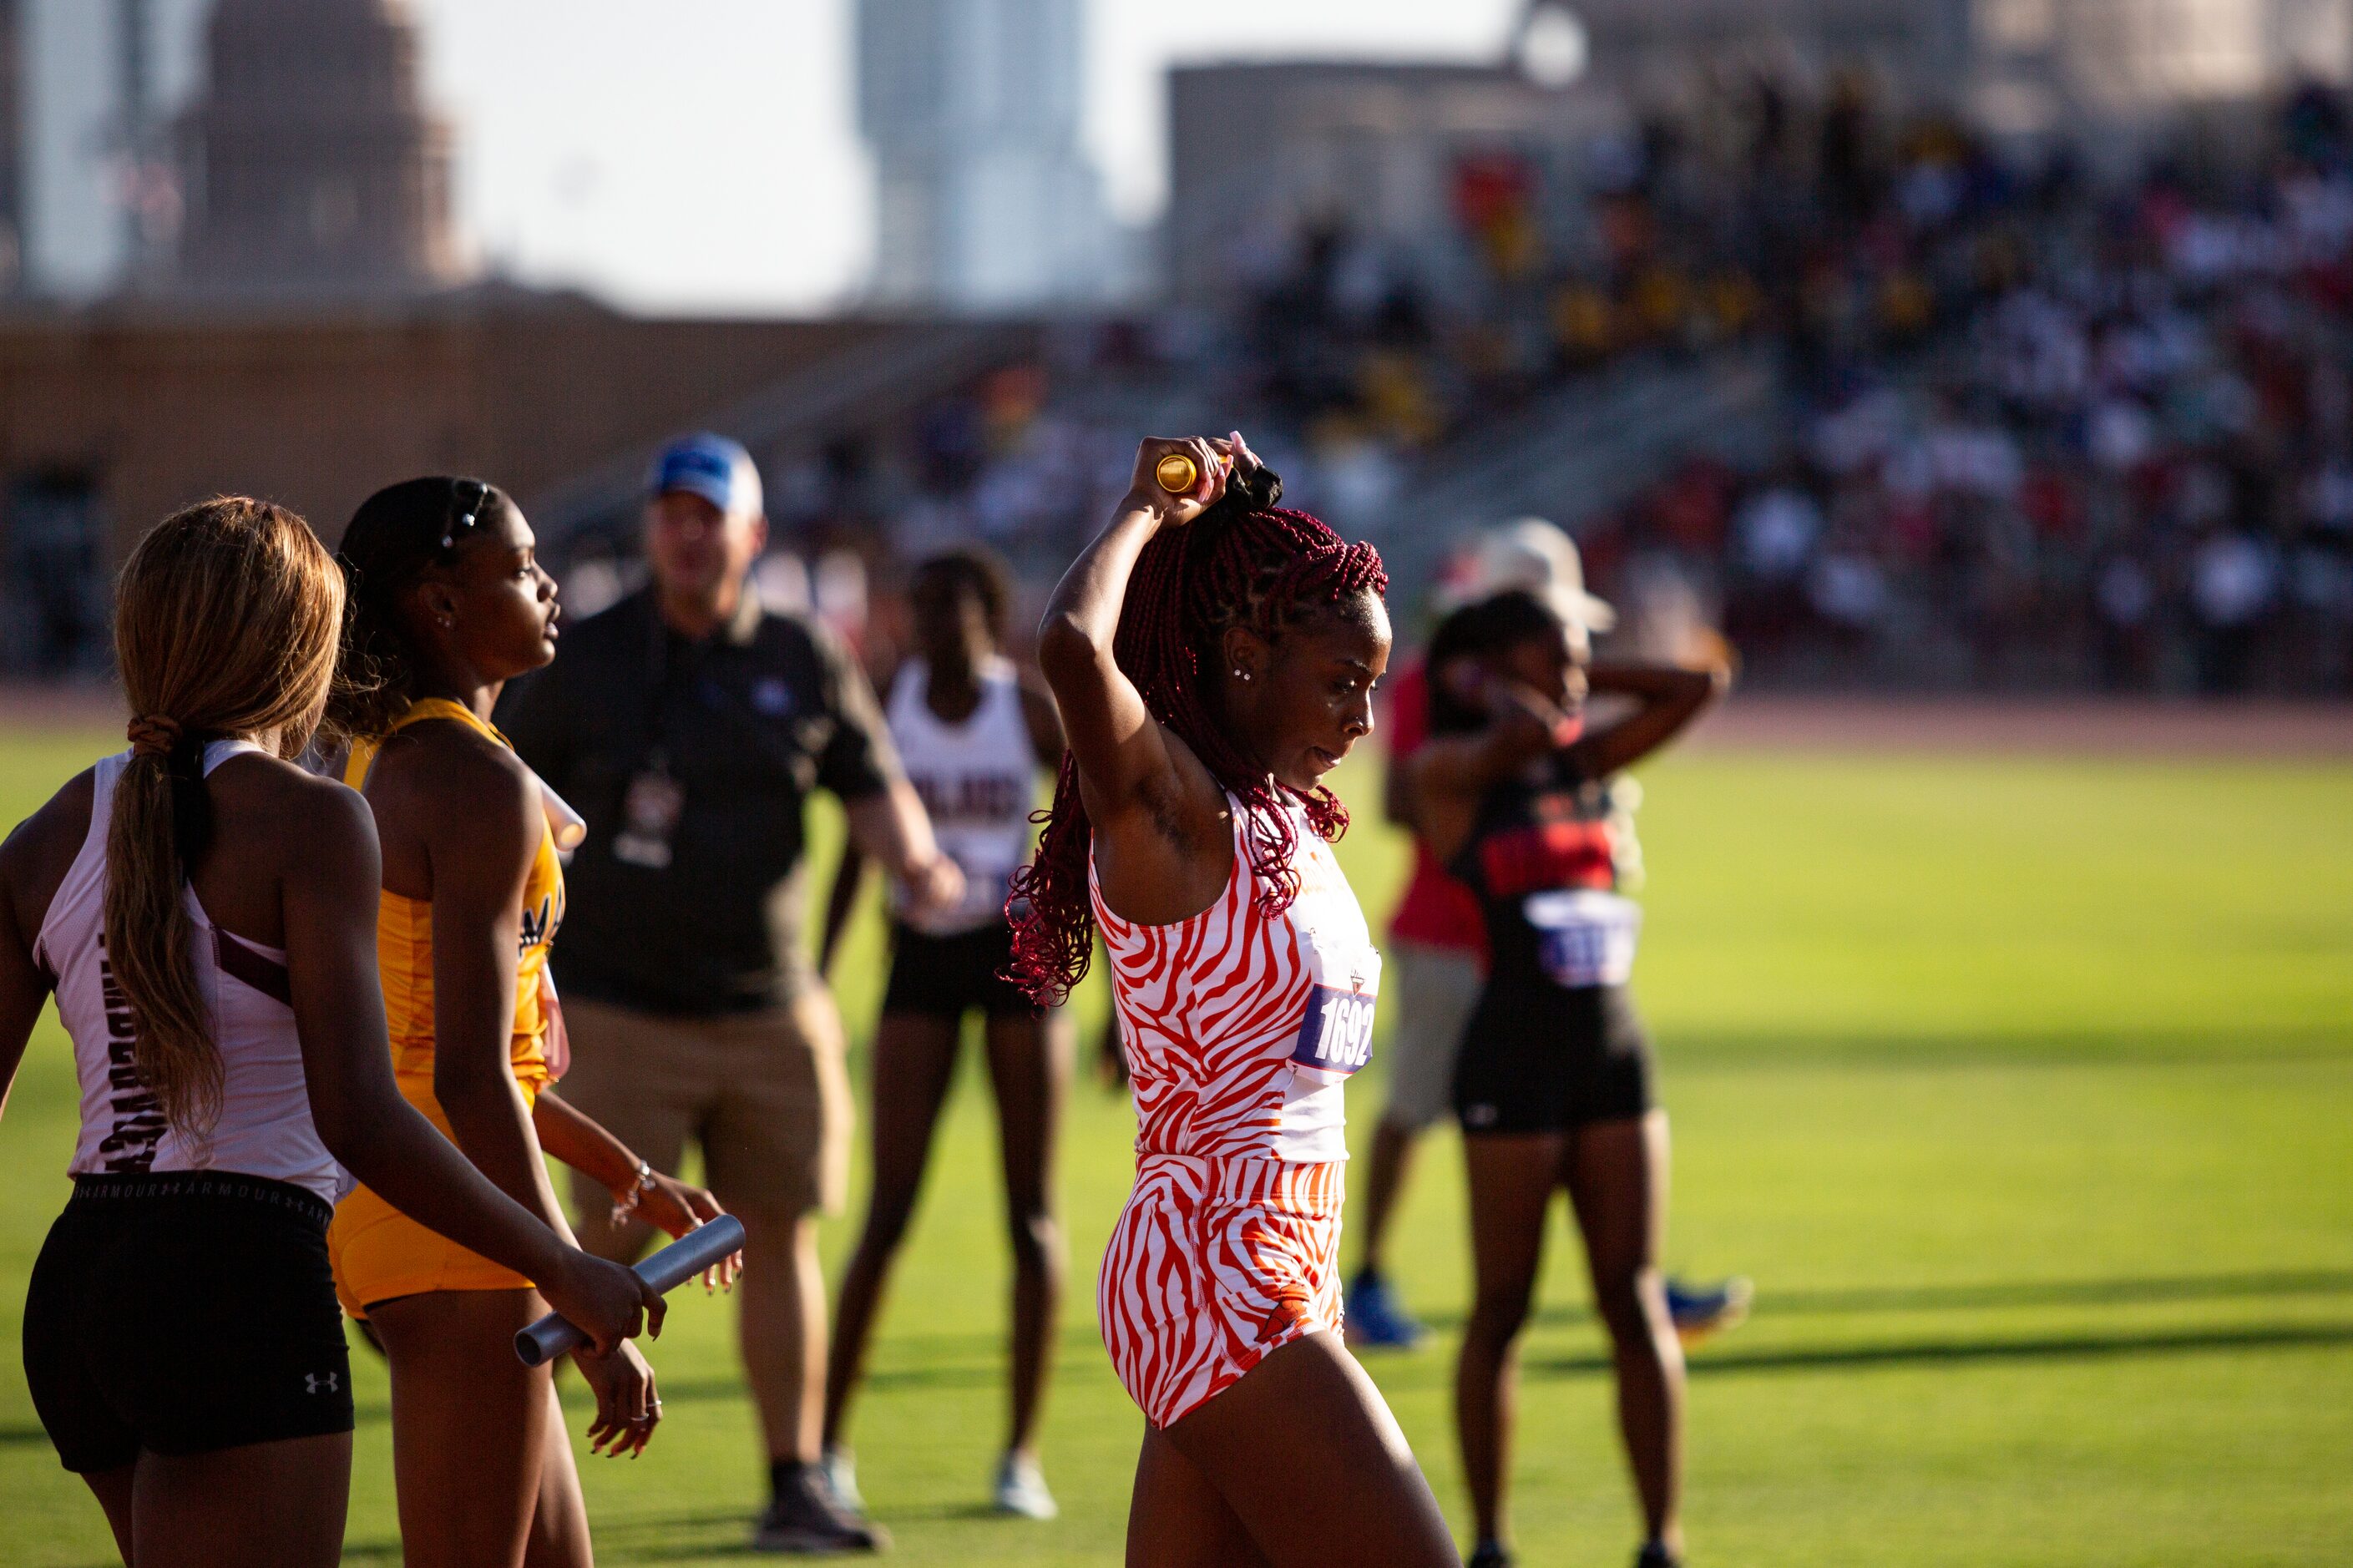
[
  {"x": 978, "y": 781},
  {"x": 1241, "y": 1028},
  {"x": 265, "y": 1127}
]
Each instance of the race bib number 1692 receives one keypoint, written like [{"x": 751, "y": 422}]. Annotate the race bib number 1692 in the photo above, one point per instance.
[{"x": 1337, "y": 1035}]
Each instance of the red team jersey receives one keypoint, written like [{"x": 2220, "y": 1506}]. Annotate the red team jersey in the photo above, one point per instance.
[{"x": 1436, "y": 911}]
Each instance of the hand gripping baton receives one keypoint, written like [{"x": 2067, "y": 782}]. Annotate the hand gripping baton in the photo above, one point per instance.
[{"x": 666, "y": 1270}]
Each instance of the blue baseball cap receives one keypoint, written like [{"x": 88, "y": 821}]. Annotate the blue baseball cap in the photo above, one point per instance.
[{"x": 719, "y": 471}]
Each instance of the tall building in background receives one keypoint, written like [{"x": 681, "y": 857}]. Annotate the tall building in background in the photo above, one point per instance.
[
  {"x": 90, "y": 91},
  {"x": 249, "y": 147},
  {"x": 983, "y": 197},
  {"x": 312, "y": 165},
  {"x": 11, "y": 148}
]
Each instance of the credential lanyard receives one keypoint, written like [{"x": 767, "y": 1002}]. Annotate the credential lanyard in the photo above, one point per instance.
[{"x": 652, "y": 799}]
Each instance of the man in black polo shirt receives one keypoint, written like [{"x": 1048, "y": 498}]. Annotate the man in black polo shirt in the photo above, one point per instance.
[{"x": 689, "y": 724}]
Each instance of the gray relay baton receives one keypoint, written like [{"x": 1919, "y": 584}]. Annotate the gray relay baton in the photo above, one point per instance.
[{"x": 673, "y": 1266}]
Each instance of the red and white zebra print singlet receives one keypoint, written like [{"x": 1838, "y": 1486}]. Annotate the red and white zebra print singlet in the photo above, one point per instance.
[
  {"x": 1242, "y": 1027},
  {"x": 1242, "y": 1030}
]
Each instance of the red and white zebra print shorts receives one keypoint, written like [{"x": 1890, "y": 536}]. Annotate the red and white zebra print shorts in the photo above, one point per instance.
[{"x": 1213, "y": 1263}]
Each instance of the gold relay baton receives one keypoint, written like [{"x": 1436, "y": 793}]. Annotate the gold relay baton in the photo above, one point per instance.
[{"x": 1177, "y": 473}]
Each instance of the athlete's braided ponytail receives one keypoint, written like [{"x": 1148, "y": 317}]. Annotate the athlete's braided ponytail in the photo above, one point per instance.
[{"x": 1244, "y": 562}]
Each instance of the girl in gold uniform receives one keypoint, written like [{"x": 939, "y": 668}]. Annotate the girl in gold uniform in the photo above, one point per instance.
[{"x": 449, "y": 604}]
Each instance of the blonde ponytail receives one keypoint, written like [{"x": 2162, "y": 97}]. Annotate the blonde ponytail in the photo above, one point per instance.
[
  {"x": 226, "y": 621},
  {"x": 149, "y": 941}
]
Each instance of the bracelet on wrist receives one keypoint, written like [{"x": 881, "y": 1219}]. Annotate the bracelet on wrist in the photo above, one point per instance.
[{"x": 642, "y": 1183}]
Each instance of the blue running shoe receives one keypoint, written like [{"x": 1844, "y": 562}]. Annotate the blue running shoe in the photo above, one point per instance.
[
  {"x": 1700, "y": 1310},
  {"x": 1374, "y": 1317}
]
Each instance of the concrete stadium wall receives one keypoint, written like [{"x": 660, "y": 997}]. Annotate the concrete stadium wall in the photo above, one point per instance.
[{"x": 158, "y": 411}]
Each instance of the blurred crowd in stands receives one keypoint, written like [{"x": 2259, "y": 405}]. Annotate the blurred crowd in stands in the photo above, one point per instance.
[
  {"x": 2048, "y": 428},
  {"x": 2051, "y": 434}
]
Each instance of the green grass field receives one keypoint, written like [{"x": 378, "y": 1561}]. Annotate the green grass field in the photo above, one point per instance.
[{"x": 2021, "y": 1087}]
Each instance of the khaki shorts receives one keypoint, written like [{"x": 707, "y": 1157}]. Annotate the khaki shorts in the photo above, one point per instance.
[
  {"x": 1436, "y": 988},
  {"x": 765, "y": 1094}
]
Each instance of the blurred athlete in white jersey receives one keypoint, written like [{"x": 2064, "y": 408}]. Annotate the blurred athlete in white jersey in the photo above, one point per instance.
[{"x": 971, "y": 736}]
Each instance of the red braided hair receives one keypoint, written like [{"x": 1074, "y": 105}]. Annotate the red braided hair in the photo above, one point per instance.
[{"x": 1236, "y": 564}]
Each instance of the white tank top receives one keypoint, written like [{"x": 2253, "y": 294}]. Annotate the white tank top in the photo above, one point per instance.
[
  {"x": 265, "y": 1128},
  {"x": 978, "y": 781}
]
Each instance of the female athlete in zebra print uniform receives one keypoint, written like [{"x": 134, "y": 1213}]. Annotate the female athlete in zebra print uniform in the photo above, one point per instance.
[{"x": 1213, "y": 658}]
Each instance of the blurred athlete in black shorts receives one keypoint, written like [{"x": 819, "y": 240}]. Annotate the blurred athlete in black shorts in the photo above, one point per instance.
[
  {"x": 972, "y": 735},
  {"x": 1553, "y": 1080}
]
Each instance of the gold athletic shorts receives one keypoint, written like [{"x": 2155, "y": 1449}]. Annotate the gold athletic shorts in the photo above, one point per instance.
[{"x": 379, "y": 1252}]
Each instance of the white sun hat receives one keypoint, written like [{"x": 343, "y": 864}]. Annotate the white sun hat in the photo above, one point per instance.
[{"x": 1533, "y": 555}]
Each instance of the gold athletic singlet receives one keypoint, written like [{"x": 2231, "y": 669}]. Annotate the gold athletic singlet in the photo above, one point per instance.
[{"x": 380, "y": 1253}]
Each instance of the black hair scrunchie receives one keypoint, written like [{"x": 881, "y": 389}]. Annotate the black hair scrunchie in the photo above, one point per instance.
[{"x": 192, "y": 804}]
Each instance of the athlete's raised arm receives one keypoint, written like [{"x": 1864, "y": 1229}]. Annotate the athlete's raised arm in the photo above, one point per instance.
[
  {"x": 1161, "y": 849},
  {"x": 1044, "y": 722},
  {"x": 1508, "y": 680},
  {"x": 1444, "y": 780},
  {"x": 1668, "y": 696}
]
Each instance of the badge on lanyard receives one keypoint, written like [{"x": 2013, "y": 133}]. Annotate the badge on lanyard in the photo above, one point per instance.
[{"x": 648, "y": 815}]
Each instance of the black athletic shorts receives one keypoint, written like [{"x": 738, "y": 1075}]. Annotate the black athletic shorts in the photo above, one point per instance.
[
  {"x": 1549, "y": 1059},
  {"x": 947, "y": 976},
  {"x": 182, "y": 1313}
]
